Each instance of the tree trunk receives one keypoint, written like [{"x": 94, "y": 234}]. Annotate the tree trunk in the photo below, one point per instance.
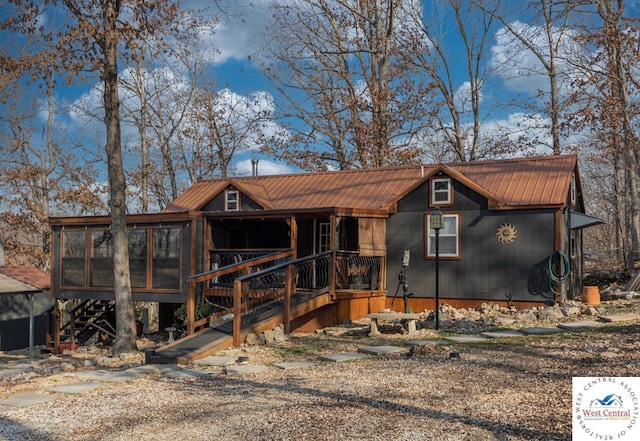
[{"x": 125, "y": 320}]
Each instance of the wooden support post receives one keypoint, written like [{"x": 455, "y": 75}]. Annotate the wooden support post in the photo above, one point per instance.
[
  {"x": 293, "y": 231},
  {"x": 333, "y": 227},
  {"x": 72, "y": 327},
  {"x": 237, "y": 313},
  {"x": 288, "y": 287},
  {"x": 56, "y": 326},
  {"x": 191, "y": 307}
]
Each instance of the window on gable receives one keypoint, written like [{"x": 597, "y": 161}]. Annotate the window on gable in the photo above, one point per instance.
[
  {"x": 232, "y": 200},
  {"x": 574, "y": 192},
  {"x": 441, "y": 191},
  {"x": 448, "y": 239}
]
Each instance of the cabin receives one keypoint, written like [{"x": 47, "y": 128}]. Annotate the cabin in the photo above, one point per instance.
[{"x": 311, "y": 250}]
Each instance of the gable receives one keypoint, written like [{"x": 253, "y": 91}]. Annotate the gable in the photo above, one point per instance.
[{"x": 506, "y": 184}]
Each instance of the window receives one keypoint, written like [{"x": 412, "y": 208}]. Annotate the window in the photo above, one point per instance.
[
  {"x": 232, "y": 200},
  {"x": 73, "y": 253},
  {"x": 448, "y": 240},
  {"x": 166, "y": 258},
  {"x": 324, "y": 236},
  {"x": 101, "y": 258},
  {"x": 138, "y": 257},
  {"x": 91, "y": 265},
  {"x": 441, "y": 191},
  {"x": 574, "y": 193}
]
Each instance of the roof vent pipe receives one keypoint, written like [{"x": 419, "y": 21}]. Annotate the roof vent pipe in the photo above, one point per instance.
[{"x": 254, "y": 167}]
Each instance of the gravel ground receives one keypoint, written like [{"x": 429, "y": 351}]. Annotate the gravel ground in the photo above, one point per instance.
[{"x": 518, "y": 389}]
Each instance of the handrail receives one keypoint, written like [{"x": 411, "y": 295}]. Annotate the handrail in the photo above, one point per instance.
[
  {"x": 261, "y": 293},
  {"x": 244, "y": 266},
  {"x": 284, "y": 265}
]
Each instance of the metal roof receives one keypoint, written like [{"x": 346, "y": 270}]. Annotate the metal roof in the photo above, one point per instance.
[
  {"x": 513, "y": 183},
  {"x": 22, "y": 279}
]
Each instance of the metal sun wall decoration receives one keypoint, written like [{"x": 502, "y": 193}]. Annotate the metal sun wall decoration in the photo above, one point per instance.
[{"x": 506, "y": 233}]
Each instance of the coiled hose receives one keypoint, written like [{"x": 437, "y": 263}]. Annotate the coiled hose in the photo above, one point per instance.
[{"x": 563, "y": 262}]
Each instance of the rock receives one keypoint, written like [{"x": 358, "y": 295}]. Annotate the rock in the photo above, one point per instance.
[
  {"x": 570, "y": 311},
  {"x": 67, "y": 367},
  {"x": 279, "y": 335},
  {"x": 251, "y": 339},
  {"x": 550, "y": 314},
  {"x": 465, "y": 324},
  {"x": 425, "y": 349},
  {"x": 589, "y": 311},
  {"x": 526, "y": 317},
  {"x": 269, "y": 337},
  {"x": 503, "y": 321}
]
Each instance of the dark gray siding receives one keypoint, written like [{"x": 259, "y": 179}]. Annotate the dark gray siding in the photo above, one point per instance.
[{"x": 487, "y": 269}]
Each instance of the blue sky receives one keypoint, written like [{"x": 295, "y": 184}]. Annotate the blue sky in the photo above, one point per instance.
[{"x": 241, "y": 32}]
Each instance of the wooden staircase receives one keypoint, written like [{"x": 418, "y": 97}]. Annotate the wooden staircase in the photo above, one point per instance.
[{"x": 87, "y": 319}]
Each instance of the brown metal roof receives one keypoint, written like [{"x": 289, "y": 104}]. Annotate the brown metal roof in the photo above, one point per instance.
[
  {"x": 513, "y": 183},
  {"x": 17, "y": 279},
  {"x": 526, "y": 181},
  {"x": 359, "y": 189}
]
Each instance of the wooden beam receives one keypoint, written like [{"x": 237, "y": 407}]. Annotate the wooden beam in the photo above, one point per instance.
[{"x": 237, "y": 312}]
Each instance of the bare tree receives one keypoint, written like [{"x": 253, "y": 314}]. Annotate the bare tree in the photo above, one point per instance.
[
  {"x": 607, "y": 107},
  {"x": 340, "y": 72},
  {"x": 545, "y": 42},
  {"x": 98, "y": 31},
  {"x": 459, "y": 117},
  {"x": 40, "y": 175}
]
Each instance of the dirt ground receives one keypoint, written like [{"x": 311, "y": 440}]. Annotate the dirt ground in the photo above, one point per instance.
[{"x": 498, "y": 389}]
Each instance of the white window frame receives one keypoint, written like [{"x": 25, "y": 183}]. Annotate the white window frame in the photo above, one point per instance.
[
  {"x": 230, "y": 204},
  {"x": 324, "y": 236},
  {"x": 431, "y": 237},
  {"x": 434, "y": 192},
  {"x": 574, "y": 190}
]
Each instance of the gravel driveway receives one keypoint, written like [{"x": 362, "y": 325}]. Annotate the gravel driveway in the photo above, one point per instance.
[{"x": 501, "y": 389}]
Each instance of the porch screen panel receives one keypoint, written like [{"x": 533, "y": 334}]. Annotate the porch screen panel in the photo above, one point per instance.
[
  {"x": 372, "y": 235},
  {"x": 138, "y": 258},
  {"x": 166, "y": 258},
  {"x": 101, "y": 258},
  {"x": 73, "y": 255}
]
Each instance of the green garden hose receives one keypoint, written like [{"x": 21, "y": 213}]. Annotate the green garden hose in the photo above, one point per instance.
[{"x": 554, "y": 278}]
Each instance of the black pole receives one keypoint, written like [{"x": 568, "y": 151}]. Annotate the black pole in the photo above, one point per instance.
[{"x": 437, "y": 230}]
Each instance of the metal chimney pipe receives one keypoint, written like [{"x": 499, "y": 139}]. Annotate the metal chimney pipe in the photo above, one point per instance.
[{"x": 254, "y": 167}]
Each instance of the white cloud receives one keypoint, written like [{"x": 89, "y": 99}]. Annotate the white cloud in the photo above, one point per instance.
[
  {"x": 520, "y": 68},
  {"x": 462, "y": 97},
  {"x": 265, "y": 167},
  {"x": 239, "y": 24}
]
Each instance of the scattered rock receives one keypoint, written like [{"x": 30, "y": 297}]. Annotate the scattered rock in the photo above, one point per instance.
[{"x": 251, "y": 339}]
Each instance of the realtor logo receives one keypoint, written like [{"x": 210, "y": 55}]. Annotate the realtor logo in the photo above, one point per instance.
[{"x": 606, "y": 408}]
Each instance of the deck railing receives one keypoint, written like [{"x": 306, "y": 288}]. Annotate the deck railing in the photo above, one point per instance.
[
  {"x": 256, "y": 288},
  {"x": 357, "y": 272},
  {"x": 218, "y": 285},
  {"x": 274, "y": 290}
]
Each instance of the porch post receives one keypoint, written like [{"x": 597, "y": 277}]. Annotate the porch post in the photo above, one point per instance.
[
  {"x": 288, "y": 287},
  {"x": 333, "y": 226},
  {"x": 293, "y": 228},
  {"x": 191, "y": 307},
  {"x": 237, "y": 312}
]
